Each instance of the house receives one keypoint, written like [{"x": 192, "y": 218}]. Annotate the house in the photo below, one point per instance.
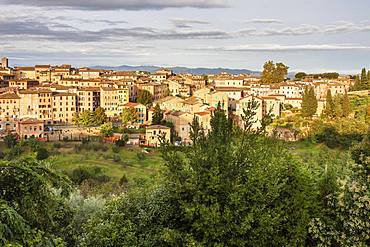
[
  {"x": 154, "y": 133},
  {"x": 30, "y": 127},
  {"x": 181, "y": 122}
]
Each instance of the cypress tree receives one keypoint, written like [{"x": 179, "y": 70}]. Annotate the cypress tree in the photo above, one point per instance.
[
  {"x": 157, "y": 115},
  {"x": 305, "y": 103},
  {"x": 345, "y": 105},
  {"x": 363, "y": 76},
  {"x": 329, "y": 107},
  {"x": 312, "y": 101}
]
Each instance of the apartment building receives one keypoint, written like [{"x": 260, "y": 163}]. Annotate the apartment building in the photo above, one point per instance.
[
  {"x": 157, "y": 90},
  {"x": 112, "y": 100},
  {"x": 9, "y": 106},
  {"x": 88, "y": 98},
  {"x": 23, "y": 84},
  {"x": 141, "y": 111},
  {"x": 64, "y": 107},
  {"x": 154, "y": 133}
]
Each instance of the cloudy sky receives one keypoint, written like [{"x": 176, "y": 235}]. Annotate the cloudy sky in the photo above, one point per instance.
[{"x": 308, "y": 35}]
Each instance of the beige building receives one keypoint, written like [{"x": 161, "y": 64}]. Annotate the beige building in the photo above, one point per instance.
[
  {"x": 157, "y": 90},
  {"x": 181, "y": 122},
  {"x": 9, "y": 106},
  {"x": 88, "y": 98},
  {"x": 112, "y": 100},
  {"x": 30, "y": 127},
  {"x": 153, "y": 134},
  {"x": 36, "y": 104},
  {"x": 64, "y": 107},
  {"x": 25, "y": 73},
  {"x": 23, "y": 84}
]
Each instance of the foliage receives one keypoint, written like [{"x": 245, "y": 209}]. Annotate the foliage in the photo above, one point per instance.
[
  {"x": 157, "y": 115},
  {"x": 10, "y": 140},
  {"x": 107, "y": 129},
  {"x": 129, "y": 115},
  {"x": 329, "y": 110},
  {"x": 90, "y": 118},
  {"x": 122, "y": 142},
  {"x": 274, "y": 73},
  {"x": 362, "y": 82},
  {"x": 32, "y": 213},
  {"x": 309, "y": 102},
  {"x": 345, "y": 220},
  {"x": 144, "y": 97},
  {"x": 80, "y": 174},
  {"x": 300, "y": 75},
  {"x": 42, "y": 153}
]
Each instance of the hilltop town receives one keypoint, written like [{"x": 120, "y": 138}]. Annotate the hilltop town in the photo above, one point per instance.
[{"x": 45, "y": 101}]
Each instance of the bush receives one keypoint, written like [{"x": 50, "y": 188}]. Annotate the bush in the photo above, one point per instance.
[
  {"x": 42, "y": 154},
  {"x": 116, "y": 158},
  {"x": 95, "y": 173},
  {"x": 115, "y": 149},
  {"x": 123, "y": 180},
  {"x": 10, "y": 140},
  {"x": 57, "y": 145}
]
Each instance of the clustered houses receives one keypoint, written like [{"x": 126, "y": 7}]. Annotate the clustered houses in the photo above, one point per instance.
[{"x": 46, "y": 94}]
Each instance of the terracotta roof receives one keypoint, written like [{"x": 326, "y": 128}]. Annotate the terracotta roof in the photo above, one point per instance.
[
  {"x": 157, "y": 127},
  {"x": 203, "y": 113},
  {"x": 9, "y": 95},
  {"x": 30, "y": 121}
]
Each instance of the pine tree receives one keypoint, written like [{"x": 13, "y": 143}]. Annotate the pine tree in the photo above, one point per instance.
[
  {"x": 157, "y": 115},
  {"x": 345, "y": 105},
  {"x": 329, "y": 107}
]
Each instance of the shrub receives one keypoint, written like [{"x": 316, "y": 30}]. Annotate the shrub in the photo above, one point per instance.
[
  {"x": 57, "y": 145},
  {"x": 116, "y": 158},
  {"x": 95, "y": 173},
  {"x": 42, "y": 154},
  {"x": 115, "y": 149}
]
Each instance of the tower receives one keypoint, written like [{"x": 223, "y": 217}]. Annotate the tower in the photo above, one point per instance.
[{"x": 4, "y": 62}]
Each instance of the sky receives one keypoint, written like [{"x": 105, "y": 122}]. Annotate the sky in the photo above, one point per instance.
[{"x": 306, "y": 35}]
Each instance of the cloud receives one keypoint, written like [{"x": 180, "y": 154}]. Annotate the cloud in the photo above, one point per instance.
[
  {"x": 264, "y": 21},
  {"x": 122, "y": 4},
  {"x": 286, "y": 48},
  {"x": 187, "y": 23}
]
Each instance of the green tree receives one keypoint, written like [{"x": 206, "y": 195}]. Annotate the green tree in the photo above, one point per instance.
[
  {"x": 144, "y": 97},
  {"x": 345, "y": 105},
  {"x": 274, "y": 73},
  {"x": 157, "y": 115},
  {"x": 363, "y": 76},
  {"x": 329, "y": 106},
  {"x": 32, "y": 213},
  {"x": 99, "y": 116},
  {"x": 10, "y": 140},
  {"x": 345, "y": 219},
  {"x": 129, "y": 115},
  {"x": 309, "y": 102},
  {"x": 107, "y": 129},
  {"x": 300, "y": 75}
]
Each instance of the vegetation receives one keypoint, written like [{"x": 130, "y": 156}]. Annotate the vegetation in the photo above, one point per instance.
[
  {"x": 129, "y": 115},
  {"x": 144, "y": 97},
  {"x": 107, "y": 129},
  {"x": 232, "y": 187},
  {"x": 274, "y": 73},
  {"x": 329, "y": 75},
  {"x": 90, "y": 118},
  {"x": 362, "y": 82},
  {"x": 309, "y": 102},
  {"x": 157, "y": 115}
]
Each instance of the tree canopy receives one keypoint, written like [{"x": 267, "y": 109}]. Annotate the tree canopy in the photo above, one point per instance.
[
  {"x": 274, "y": 73},
  {"x": 144, "y": 97}
]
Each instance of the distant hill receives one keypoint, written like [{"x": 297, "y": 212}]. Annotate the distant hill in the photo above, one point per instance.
[{"x": 178, "y": 70}]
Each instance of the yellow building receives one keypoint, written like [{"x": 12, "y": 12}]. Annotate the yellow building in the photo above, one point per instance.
[
  {"x": 64, "y": 107},
  {"x": 88, "y": 98},
  {"x": 9, "y": 106},
  {"x": 112, "y": 100},
  {"x": 157, "y": 90},
  {"x": 23, "y": 84},
  {"x": 154, "y": 133},
  {"x": 36, "y": 104},
  {"x": 25, "y": 73}
]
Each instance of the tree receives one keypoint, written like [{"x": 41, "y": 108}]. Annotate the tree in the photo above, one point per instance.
[
  {"x": 107, "y": 129},
  {"x": 274, "y": 73},
  {"x": 363, "y": 76},
  {"x": 300, "y": 75},
  {"x": 144, "y": 97},
  {"x": 329, "y": 106},
  {"x": 345, "y": 219},
  {"x": 309, "y": 102},
  {"x": 157, "y": 115},
  {"x": 196, "y": 131},
  {"x": 345, "y": 105},
  {"x": 129, "y": 115},
  {"x": 99, "y": 116},
  {"x": 32, "y": 213},
  {"x": 230, "y": 189},
  {"x": 10, "y": 140}
]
